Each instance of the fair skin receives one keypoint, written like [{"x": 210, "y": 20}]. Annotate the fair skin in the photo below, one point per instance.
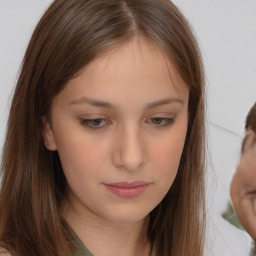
[
  {"x": 3, "y": 252},
  {"x": 122, "y": 119},
  {"x": 243, "y": 186}
]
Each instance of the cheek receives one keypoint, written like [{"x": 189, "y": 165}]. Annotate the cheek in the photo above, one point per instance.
[
  {"x": 166, "y": 156},
  {"x": 167, "y": 161},
  {"x": 81, "y": 158},
  {"x": 168, "y": 151}
]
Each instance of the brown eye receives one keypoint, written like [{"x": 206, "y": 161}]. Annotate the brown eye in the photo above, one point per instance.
[
  {"x": 95, "y": 123},
  {"x": 161, "y": 121},
  {"x": 157, "y": 120}
]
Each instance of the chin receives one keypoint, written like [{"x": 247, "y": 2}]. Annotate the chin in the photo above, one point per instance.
[{"x": 127, "y": 217}]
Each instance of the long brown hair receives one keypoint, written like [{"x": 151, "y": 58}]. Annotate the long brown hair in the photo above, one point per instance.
[{"x": 69, "y": 36}]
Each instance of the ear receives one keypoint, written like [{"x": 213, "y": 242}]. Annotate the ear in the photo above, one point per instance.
[{"x": 49, "y": 140}]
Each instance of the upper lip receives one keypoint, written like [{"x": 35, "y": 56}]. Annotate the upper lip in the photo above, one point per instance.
[{"x": 125, "y": 184}]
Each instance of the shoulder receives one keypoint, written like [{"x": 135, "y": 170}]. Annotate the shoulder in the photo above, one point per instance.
[{"x": 3, "y": 252}]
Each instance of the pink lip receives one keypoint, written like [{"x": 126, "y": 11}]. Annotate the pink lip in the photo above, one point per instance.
[{"x": 127, "y": 189}]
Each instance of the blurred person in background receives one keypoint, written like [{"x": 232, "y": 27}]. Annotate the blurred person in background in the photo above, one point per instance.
[{"x": 243, "y": 185}]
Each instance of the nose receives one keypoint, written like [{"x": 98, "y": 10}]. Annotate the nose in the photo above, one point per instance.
[{"x": 129, "y": 153}]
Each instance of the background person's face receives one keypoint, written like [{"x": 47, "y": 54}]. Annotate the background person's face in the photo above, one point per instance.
[
  {"x": 247, "y": 162},
  {"x": 122, "y": 119},
  {"x": 243, "y": 185}
]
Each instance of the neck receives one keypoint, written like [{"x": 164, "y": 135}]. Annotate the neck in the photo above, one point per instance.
[{"x": 103, "y": 237}]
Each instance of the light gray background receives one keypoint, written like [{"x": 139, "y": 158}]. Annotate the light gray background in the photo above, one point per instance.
[{"x": 226, "y": 30}]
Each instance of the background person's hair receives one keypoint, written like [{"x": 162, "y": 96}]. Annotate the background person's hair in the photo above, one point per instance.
[
  {"x": 69, "y": 36},
  {"x": 250, "y": 124}
]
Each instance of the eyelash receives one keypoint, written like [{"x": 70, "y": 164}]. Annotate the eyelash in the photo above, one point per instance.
[{"x": 88, "y": 122}]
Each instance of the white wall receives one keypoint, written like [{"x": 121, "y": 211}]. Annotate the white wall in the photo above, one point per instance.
[
  {"x": 226, "y": 30},
  {"x": 227, "y": 34},
  {"x": 18, "y": 18}
]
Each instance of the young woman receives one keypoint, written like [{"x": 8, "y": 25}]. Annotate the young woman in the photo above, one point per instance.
[{"x": 104, "y": 152}]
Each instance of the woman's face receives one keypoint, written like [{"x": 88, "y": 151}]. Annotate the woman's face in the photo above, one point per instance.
[{"x": 119, "y": 127}]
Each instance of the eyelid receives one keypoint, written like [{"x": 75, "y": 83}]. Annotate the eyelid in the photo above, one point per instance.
[
  {"x": 165, "y": 120},
  {"x": 162, "y": 115}
]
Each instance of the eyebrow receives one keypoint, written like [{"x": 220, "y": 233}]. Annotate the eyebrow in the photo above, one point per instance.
[{"x": 103, "y": 104}]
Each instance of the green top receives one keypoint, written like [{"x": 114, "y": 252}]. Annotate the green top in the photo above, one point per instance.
[{"x": 80, "y": 249}]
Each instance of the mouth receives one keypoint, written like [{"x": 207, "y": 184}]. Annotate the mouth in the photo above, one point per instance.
[{"x": 127, "y": 189}]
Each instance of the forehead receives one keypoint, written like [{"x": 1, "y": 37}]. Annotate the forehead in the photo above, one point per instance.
[
  {"x": 138, "y": 63},
  {"x": 249, "y": 140}
]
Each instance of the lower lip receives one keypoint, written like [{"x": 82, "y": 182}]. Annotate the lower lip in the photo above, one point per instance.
[{"x": 127, "y": 192}]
